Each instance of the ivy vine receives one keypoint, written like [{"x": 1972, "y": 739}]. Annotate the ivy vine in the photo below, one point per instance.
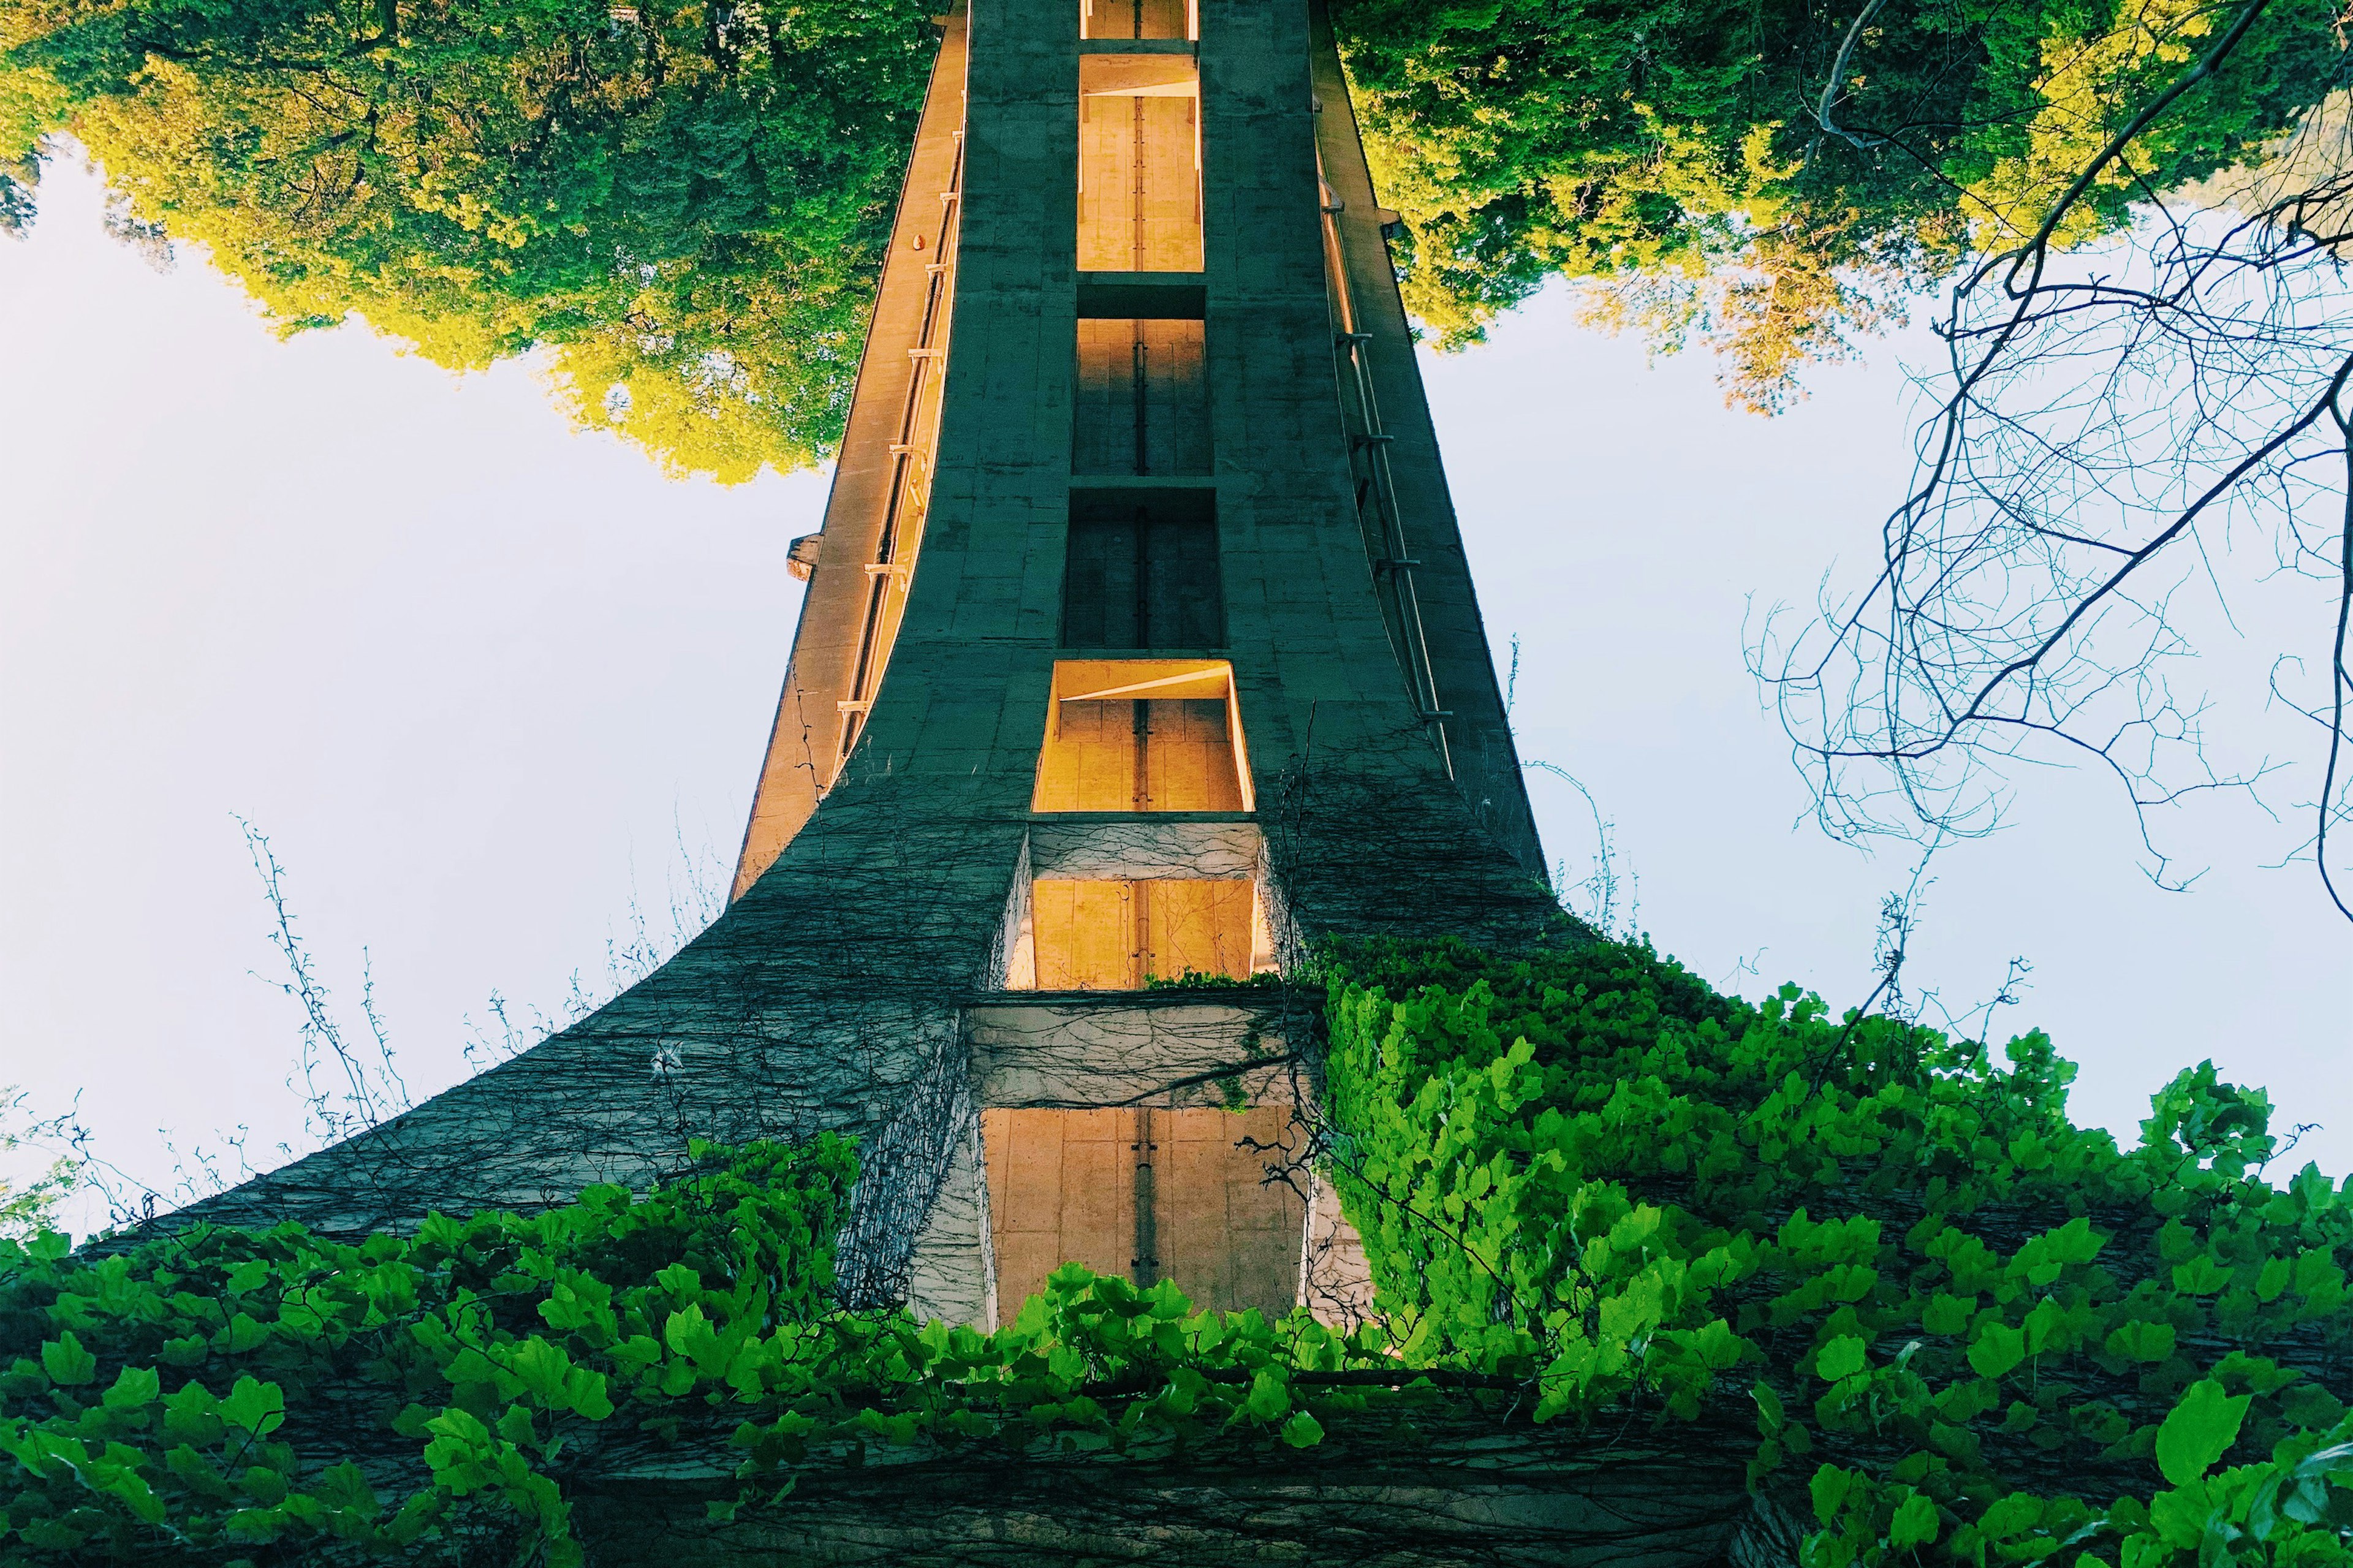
[
  {"x": 1963, "y": 1327},
  {"x": 229, "y": 1396}
]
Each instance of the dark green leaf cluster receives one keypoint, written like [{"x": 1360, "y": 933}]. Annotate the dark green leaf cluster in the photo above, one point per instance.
[{"x": 1965, "y": 1327}]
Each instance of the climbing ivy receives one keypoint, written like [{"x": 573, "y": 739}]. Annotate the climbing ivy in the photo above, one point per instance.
[
  {"x": 1962, "y": 1328},
  {"x": 224, "y": 1395},
  {"x": 1942, "y": 1322}
]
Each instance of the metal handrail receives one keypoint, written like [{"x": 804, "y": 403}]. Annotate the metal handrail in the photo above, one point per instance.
[
  {"x": 912, "y": 469},
  {"x": 1395, "y": 567}
]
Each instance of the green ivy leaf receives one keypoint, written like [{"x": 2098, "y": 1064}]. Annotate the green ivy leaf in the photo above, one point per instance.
[
  {"x": 253, "y": 1407},
  {"x": 1946, "y": 1314},
  {"x": 243, "y": 1333},
  {"x": 263, "y": 1485},
  {"x": 1830, "y": 1488},
  {"x": 67, "y": 1362},
  {"x": 2201, "y": 1276},
  {"x": 197, "y": 1473},
  {"x": 1997, "y": 1349},
  {"x": 1915, "y": 1523},
  {"x": 1269, "y": 1395},
  {"x": 134, "y": 1387},
  {"x": 1842, "y": 1357},
  {"x": 2199, "y": 1430},
  {"x": 135, "y": 1493},
  {"x": 190, "y": 1414},
  {"x": 187, "y": 1350},
  {"x": 1303, "y": 1431},
  {"x": 2142, "y": 1342}
]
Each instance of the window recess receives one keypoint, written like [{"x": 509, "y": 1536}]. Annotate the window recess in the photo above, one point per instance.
[
  {"x": 1139, "y": 576},
  {"x": 1143, "y": 735},
  {"x": 1143, "y": 404},
  {"x": 1139, "y": 19},
  {"x": 1139, "y": 163}
]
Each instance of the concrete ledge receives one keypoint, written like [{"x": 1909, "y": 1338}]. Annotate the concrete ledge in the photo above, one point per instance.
[
  {"x": 1143, "y": 848},
  {"x": 1079, "y": 1049},
  {"x": 1157, "y": 296}
]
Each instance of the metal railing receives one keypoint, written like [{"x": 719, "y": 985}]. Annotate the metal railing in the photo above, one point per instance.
[
  {"x": 892, "y": 571},
  {"x": 1376, "y": 486}
]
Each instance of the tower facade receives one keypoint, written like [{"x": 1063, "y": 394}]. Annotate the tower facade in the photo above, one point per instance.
[{"x": 1138, "y": 654}]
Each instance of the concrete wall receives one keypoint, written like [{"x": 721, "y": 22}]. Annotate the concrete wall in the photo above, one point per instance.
[{"x": 858, "y": 979}]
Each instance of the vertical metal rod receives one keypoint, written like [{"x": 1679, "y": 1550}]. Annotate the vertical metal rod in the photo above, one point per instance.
[
  {"x": 1140, "y": 158},
  {"x": 1148, "y": 1221},
  {"x": 1143, "y": 372},
  {"x": 1397, "y": 572},
  {"x": 1142, "y": 730}
]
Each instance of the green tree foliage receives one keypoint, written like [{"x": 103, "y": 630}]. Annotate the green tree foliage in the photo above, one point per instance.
[
  {"x": 29, "y": 1207},
  {"x": 682, "y": 206},
  {"x": 1960, "y": 1326},
  {"x": 1675, "y": 151}
]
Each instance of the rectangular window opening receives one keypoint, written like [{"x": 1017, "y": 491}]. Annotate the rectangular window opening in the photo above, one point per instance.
[
  {"x": 1143, "y": 402},
  {"x": 1146, "y": 734},
  {"x": 1139, "y": 163},
  {"x": 1139, "y": 19},
  {"x": 1104, "y": 935},
  {"x": 1149, "y": 1194},
  {"x": 1139, "y": 574}
]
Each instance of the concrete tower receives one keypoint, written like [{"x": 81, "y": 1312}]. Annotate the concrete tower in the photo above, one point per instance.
[{"x": 1138, "y": 647}]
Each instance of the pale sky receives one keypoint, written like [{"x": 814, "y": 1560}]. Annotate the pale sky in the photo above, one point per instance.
[{"x": 476, "y": 674}]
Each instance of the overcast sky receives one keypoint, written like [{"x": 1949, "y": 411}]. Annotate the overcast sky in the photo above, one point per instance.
[{"x": 479, "y": 677}]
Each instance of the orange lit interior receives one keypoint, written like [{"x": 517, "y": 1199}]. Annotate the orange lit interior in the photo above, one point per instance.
[
  {"x": 1139, "y": 19},
  {"x": 1106, "y": 935},
  {"x": 1139, "y": 163},
  {"x": 1147, "y": 1195},
  {"x": 1143, "y": 735}
]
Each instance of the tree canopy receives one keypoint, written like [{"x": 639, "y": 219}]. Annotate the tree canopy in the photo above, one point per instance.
[
  {"x": 1770, "y": 177},
  {"x": 682, "y": 208}
]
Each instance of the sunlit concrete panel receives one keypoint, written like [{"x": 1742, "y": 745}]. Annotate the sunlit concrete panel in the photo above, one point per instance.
[
  {"x": 1138, "y": 20},
  {"x": 1122, "y": 935}
]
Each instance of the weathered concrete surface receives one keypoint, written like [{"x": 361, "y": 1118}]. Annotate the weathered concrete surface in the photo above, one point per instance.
[
  {"x": 1167, "y": 1047},
  {"x": 1463, "y": 1488}
]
